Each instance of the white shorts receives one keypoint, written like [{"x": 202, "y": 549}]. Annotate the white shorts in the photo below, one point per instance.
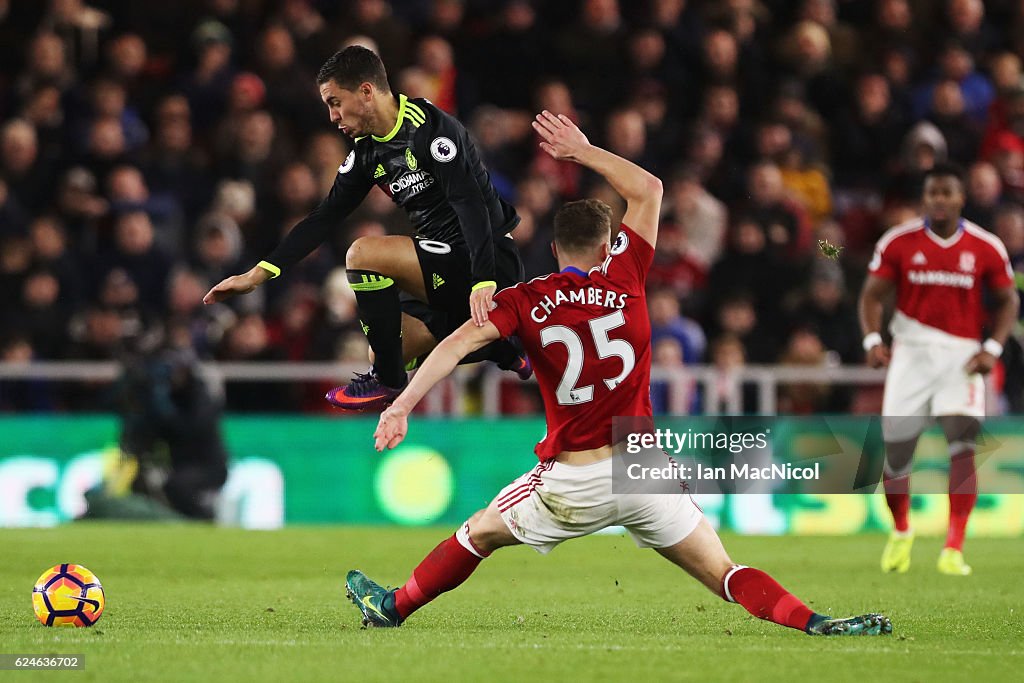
[
  {"x": 929, "y": 380},
  {"x": 555, "y": 502}
]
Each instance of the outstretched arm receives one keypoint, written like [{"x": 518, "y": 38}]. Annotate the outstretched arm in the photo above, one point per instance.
[
  {"x": 238, "y": 284},
  {"x": 394, "y": 422},
  {"x": 349, "y": 189},
  {"x": 641, "y": 190}
]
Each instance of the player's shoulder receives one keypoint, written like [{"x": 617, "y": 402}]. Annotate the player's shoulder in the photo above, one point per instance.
[
  {"x": 440, "y": 134},
  {"x": 628, "y": 238},
  {"x": 356, "y": 155},
  {"x": 629, "y": 245},
  {"x": 429, "y": 116},
  {"x": 906, "y": 230},
  {"x": 424, "y": 107},
  {"x": 983, "y": 236},
  {"x": 419, "y": 112}
]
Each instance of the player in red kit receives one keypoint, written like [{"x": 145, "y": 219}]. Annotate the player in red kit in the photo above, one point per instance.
[
  {"x": 586, "y": 331},
  {"x": 937, "y": 267}
]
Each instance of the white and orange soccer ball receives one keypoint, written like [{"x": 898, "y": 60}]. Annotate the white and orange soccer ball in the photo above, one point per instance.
[{"x": 68, "y": 595}]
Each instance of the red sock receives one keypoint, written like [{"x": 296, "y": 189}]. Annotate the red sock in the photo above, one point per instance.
[
  {"x": 763, "y": 597},
  {"x": 445, "y": 568},
  {"x": 897, "y": 496},
  {"x": 963, "y": 493}
]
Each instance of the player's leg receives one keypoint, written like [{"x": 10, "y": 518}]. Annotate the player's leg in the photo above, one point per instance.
[
  {"x": 393, "y": 256},
  {"x": 521, "y": 513},
  {"x": 422, "y": 328},
  {"x": 962, "y": 434},
  {"x": 906, "y": 405},
  {"x": 452, "y": 562},
  {"x": 672, "y": 524},
  {"x": 899, "y": 457},
  {"x": 417, "y": 340},
  {"x": 378, "y": 267},
  {"x": 445, "y": 568},
  {"x": 959, "y": 405},
  {"x": 703, "y": 557},
  {"x": 447, "y": 282}
]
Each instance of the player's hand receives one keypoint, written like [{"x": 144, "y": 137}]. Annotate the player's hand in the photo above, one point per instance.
[
  {"x": 879, "y": 355},
  {"x": 480, "y": 304},
  {"x": 560, "y": 136},
  {"x": 392, "y": 428},
  {"x": 236, "y": 284},
  {"x": 982, "y": 363}
]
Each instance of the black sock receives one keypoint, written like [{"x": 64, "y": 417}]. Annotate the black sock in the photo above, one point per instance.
[{"x": 380, "y": 314}]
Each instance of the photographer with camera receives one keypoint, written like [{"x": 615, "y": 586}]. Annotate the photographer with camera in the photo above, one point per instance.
[{"x": 172, "y": 428}]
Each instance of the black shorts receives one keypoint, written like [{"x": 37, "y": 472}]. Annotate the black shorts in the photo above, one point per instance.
[{"x": 446, "y": 278}]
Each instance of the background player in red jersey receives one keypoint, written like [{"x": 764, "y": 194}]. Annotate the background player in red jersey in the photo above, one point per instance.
[
  {"x": 586, "y": 330},
  {"x": 936, "y": 266}
]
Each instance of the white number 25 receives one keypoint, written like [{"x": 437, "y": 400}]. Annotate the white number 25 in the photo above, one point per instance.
[{"x": 567, "y": 392}]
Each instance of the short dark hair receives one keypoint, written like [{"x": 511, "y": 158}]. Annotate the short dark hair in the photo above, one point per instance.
[
  {"x": 583, "y": 225},
  {"x": 353, "y": 66},
  {"x": 944, "y": 169}
]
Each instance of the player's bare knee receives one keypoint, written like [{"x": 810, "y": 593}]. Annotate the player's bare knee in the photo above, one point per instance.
[
  {"x": 481, "y": 531},
  {"x": 701, "y": 555},
  {"x": 354, "y": 255},
  {"x": 362, "y": 254},
  {"x": 487, "y": 531},
  {"x": 485, "y": 541},
  {"x": 960, "y": 429},
  {"x": 899, "y": 457}
]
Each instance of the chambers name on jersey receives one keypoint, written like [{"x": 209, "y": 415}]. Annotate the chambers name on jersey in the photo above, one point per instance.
[
  {"x": 939, "y": 281},
  {"x": 588, "y": 336}
]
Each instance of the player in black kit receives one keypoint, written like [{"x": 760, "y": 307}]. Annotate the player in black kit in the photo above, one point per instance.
[{"x": 411, "y": 292}]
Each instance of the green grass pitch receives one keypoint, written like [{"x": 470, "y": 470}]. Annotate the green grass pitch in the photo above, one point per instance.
[{"x": 189, "y": 603}]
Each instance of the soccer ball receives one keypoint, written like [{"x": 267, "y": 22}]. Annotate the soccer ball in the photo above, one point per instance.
[{"x": 68, "y": 595}]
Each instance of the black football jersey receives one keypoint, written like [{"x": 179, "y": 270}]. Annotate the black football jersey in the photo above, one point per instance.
[{"x": 428, "y": 166}]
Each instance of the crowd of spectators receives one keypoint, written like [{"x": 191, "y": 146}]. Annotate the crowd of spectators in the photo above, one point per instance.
[{"x": 147, "y": 151}]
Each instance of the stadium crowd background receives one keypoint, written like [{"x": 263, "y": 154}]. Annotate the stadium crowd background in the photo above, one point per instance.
[{"x": 149, "y": 150}]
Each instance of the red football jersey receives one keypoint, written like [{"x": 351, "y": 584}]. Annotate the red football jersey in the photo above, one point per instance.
[
  {"x": 589, "y": 339},
  {"x": 939, "y": 281}
]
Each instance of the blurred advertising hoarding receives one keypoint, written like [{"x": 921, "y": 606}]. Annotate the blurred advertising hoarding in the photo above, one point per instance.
[{"x": 316, "y": 470}]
